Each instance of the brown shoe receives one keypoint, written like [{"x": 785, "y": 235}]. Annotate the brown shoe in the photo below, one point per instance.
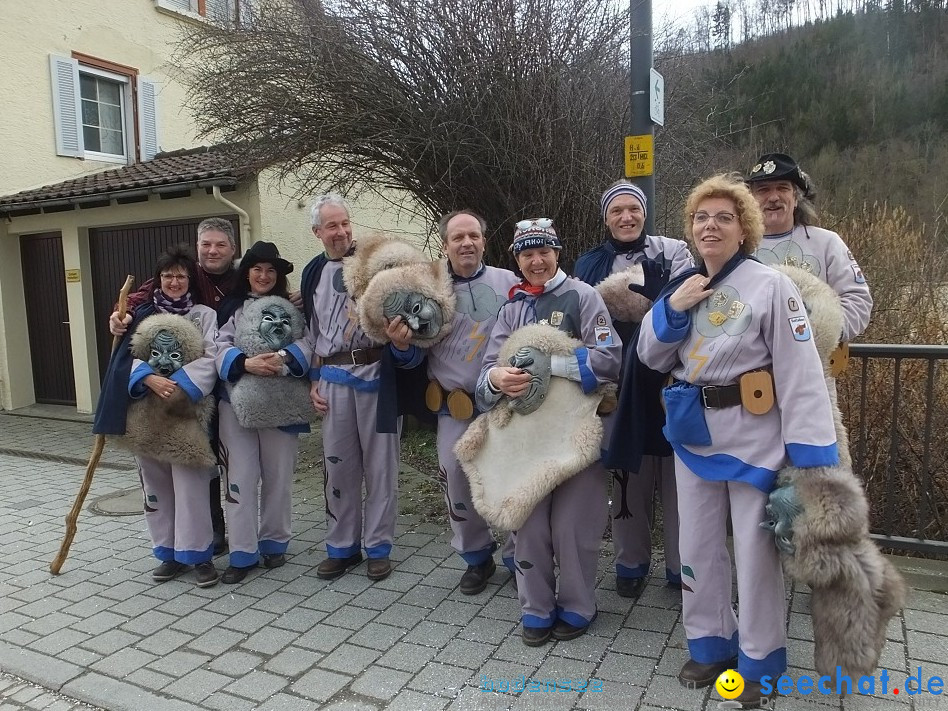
[
  {"x": 379, "y": 568},
  {"x": 753, "y": 696},
  {"x": 332, "y": 568},
  {"x": 695, "y": 675}
]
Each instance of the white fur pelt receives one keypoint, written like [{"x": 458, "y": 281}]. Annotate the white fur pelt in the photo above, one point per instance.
[
  {"x": 274, "y": 401},
  {"x": 174, "y": 429},
  {"x": 825, "y": 312},
  {"x": 856, "y": 590},
  {"x": 513, "y": 461},
  {"x": 624, "y": 305},
  {"x": 373, "y": 254},
  {"x": 431, "y": 279}
]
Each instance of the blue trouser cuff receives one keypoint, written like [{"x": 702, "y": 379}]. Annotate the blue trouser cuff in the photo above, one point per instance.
[
  {"x": 711, "y": 650},
  {"x": 672, "y": 577},
  {"x": 479, "y": 557},
  {"x": 382, "y": 550},
  {"x": 347, "y": 552},
  {"x": 539, "y": 622},
  {"x": 163, "y": 553},
  {"x": 574, "y": 618},
  {"x": 243, "y": 559},
  {"x": 773, "y": 665},
  {"x": 510, "y": 565},
  {"x": 194, "y": 557},
  {"x": 624, "y": 571}
]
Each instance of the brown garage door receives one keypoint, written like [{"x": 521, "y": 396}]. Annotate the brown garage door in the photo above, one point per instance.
[
  {"x": 131, "y": 249},
  {"x": 47, "y": 317}
]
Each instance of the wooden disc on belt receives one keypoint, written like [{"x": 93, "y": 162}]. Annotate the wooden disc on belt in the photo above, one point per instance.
[
  {"x": 460, "y": 405},
  {"x": 434, "y": 396},
  {"x": 839, "y": 360},
  {"x": 757, "y": 392}
]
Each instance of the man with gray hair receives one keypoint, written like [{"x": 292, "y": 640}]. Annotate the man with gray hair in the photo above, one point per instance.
[
  {"x": 216, "y": 277},
  {"x": 345, "y": 374},
  {"x": 785, "y": 195}
]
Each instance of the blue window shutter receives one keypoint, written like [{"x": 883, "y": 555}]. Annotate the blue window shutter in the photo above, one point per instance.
[
  {"x": 67, "y": 106},
  {"x": 147, "y": 118}
]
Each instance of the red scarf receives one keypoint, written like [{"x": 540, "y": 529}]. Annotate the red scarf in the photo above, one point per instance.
[{"x": 527, "y": 287}]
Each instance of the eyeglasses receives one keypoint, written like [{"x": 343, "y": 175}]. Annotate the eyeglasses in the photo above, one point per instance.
[
  {"x": 721, "y": 218},
  {"x": 174, "y": 277},
  {"x": 543, "y": 223}
]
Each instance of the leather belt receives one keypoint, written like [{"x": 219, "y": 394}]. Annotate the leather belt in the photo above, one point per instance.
[
  {"x": 360, "y": 356},
  {"x": 717, "y": 396}
]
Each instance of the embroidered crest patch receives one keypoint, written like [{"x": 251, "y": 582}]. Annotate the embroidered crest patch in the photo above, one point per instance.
[
  {"x": 800, "y": 328},
  {"x": 603, "y": 336}
]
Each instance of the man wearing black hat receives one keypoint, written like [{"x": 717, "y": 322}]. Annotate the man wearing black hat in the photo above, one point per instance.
[{"x": 785, "y": 196}]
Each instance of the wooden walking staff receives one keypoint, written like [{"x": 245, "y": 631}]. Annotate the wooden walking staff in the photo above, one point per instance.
[{"x": 97, "y": 448}]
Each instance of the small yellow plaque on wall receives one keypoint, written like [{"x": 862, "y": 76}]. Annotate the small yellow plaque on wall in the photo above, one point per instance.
[{"x": 72, "y": 275}]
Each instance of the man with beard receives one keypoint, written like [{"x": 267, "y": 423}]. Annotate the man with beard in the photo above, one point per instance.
[
  {"x": 785, "y": 195},
  {"x": 454, "y": 365}
]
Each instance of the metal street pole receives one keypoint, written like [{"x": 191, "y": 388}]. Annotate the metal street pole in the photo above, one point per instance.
[{"x": 640, "y": 63}]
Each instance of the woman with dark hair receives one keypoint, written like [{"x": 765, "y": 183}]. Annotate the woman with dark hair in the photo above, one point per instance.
[
  {"x": 169, "y": 372},
  {"x": 748, "y": 399},
  {"x": 264, "y": 405}
]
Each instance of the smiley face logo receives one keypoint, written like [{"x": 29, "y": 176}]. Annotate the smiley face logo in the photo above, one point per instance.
[{"x": 730, "y": 684}]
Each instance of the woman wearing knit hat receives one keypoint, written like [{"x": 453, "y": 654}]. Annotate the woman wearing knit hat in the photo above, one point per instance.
[
  {"x": 565, "y": 528},
  {"x": 636, "y": 478}
]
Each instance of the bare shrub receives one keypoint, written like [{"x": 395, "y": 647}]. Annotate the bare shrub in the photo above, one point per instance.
[{"x": 890, "y": 406}]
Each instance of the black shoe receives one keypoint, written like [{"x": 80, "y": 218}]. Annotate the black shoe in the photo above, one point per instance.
[
  {"x": 206, "y": 574},
  {"x": 536, "y": 636},
  {"x": 695, "y": 675},
  {"x": 753, "y": 696},
  {"x": 332, "y": 568},
  {"x": 168, "y": 570},
  {"x": 234, "y": 575},
  {"x": 475, "y": 577},
  {"x": 564, "y": 630},
  {"x": 630, "y": 587},
  {"x": 273, "y": 560},
  {"x": 378, "y": 568}
]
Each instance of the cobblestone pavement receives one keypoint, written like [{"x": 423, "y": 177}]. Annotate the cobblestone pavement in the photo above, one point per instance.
[{"x": 104, "y": 634}]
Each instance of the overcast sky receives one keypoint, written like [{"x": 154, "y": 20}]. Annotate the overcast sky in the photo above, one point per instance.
[{"x": 675, "y": 11}]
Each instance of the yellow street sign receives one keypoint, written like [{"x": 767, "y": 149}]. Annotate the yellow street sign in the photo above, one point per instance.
[{"x": 639, "y": 154}]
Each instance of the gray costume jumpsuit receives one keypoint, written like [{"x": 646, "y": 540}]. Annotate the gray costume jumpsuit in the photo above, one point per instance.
[
  {"x": 177, "y": 509},
  {"x": 264, "y": 458},
  {"x": 727, "y": 459},
  {"x": 633, "y": 492},
  {"x": 566, "y": 527},
  {"x": 455, "y": 363},
  {"x": 353, "y": 451}
]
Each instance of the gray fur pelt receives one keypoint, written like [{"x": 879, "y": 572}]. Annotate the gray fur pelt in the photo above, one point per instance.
[
  {"x": 856, "y": 590},
  {"x": 174, "y": 429},
  {"x": 511, "y": 460},
  {"x": 273, "y": 401},
  {"x": 624, "y": 305}
]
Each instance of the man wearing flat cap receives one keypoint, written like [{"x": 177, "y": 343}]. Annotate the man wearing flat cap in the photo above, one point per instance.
[
  {"x": 624, "y": 207},
  {"x": 785, "y": 195}
]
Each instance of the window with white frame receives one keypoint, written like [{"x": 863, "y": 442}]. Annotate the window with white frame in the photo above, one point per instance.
[
  {"x": 103, "y": 111},
  {"x": 219, "y": 11}
]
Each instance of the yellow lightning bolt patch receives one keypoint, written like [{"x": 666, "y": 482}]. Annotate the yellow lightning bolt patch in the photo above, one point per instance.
[
  {"x": 702, "y": 360},
  {"x": 478, "y": 342}
]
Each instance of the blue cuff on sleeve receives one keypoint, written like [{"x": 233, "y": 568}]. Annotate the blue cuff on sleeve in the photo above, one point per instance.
[
  {"x": 313, "y": 374},
  {"x": 186, "y": 384},
  {"x": 587, "y": 377},
  {"x": 410, "y": 358},
  {"x": 228, "y": 361},
  {"x": 670, "y": 326},
  {"x": 298, "y": 365},
  {"x": 136, "y": 382},
  {"x": 813, "y": 455}
]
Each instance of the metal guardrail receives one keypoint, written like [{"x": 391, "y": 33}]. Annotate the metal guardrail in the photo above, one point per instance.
[{"x": 904, "y": 451}]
